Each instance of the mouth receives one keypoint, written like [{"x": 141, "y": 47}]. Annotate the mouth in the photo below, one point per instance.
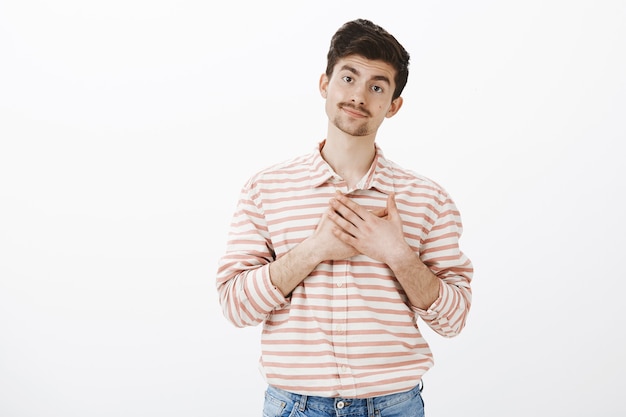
[{"x": 354, "y": 111}]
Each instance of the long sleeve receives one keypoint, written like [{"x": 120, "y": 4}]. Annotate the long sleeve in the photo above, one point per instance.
[
  {"x": 245, "y": 290},
  {"x": 440, "y": 252},
  {"x": 347, "y": 329}
]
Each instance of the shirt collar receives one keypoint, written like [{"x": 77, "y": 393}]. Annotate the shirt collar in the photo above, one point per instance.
[{"x": 379, "y": 177}]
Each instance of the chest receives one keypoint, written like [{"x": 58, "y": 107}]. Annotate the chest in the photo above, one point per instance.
[{"x": 293, "y": 215}]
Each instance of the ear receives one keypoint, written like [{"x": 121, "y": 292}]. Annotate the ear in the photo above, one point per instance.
[
  {"x": 394, "y": 107},
  {"x": 324, "y": 85}
]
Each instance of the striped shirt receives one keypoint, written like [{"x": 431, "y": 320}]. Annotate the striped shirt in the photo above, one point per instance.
[{"x": 348, "y": 329}]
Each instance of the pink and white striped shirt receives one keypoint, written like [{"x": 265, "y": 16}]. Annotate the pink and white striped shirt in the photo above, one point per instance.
[{"x": 347, "y": 329}]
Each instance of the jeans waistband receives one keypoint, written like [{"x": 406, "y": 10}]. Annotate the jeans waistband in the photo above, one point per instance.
[{"x": 339, "y": 403}]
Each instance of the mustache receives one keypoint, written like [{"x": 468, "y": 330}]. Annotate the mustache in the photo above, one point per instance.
[{"x": 355, "y": 107}]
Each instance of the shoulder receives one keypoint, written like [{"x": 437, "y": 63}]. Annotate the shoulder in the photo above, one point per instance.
[
  {"x": 406, "y": 180},
  {"x": 293, "y": 168}
]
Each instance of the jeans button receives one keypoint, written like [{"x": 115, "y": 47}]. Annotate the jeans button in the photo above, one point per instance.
[{"x": 340, "y": 405}]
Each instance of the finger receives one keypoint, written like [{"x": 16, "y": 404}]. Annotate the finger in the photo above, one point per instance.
[
  {"x": 341, "y": 222},
  {"x": 344, "y": 211},
  {"x": 392, "y": 208},
  {"x": 356, "y": 208},
  {"x": 379, "y": 212},
  {"x": 345, "y": 237}
]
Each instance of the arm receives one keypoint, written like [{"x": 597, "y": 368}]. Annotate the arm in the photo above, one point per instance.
[
  {"x": 437, "y": 283},
  {"x": 245, "y": 291},
  {"x": 251, "y": 282}
]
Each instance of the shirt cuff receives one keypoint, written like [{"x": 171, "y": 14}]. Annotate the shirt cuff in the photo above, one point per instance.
[
  {"x": 434, "y": 310},
  {"x": 276, "y": 294}
]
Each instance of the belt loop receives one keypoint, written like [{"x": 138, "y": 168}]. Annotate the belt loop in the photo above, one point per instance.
[
  {"x": 370, "y": 407},
  {"x": 302, "y": 403}
]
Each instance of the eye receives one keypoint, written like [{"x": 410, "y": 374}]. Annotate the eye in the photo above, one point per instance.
[
  {"x": 377, "y": 89},
  {"x": 347, "y": 78}
]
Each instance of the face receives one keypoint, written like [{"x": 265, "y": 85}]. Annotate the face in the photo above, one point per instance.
[{"x": 359, "y": 95}]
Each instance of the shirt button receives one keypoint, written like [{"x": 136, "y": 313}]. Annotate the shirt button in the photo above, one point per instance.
[{"x": 340, "y": 405}]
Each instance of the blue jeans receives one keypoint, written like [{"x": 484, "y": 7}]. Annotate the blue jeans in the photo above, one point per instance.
[{"x": 280, "y": 403}]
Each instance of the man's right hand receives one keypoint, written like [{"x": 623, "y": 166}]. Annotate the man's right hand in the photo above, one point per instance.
[{"x": 326, "y": 244}]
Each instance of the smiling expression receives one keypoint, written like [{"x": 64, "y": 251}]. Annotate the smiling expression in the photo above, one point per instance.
[{"x": 359, "y": 95}]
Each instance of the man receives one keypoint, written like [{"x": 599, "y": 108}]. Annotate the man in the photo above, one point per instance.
[{"x": 340, "y": 252}]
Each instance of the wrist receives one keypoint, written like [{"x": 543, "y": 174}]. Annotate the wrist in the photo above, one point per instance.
[
  {"x": 402, "y": 258},
  {"x": 310, "y": 252}
]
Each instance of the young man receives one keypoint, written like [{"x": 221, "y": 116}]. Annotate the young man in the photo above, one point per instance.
[{"x": 338, "y": 253}]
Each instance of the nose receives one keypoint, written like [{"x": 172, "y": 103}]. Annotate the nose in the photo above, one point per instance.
[{"x": 358, "y": 94}]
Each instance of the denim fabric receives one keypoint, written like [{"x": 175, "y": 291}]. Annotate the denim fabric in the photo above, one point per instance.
[{"x": 280, "y": 403}]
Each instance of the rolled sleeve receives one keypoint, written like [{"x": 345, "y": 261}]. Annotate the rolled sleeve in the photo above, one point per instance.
[
  {"x": 447, "y": 314},
  {"x": 249, "y": 296},
  {"x": 245, "y": 290}
]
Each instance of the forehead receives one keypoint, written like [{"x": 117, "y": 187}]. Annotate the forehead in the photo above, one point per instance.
[{"x": 368, "y": 68}]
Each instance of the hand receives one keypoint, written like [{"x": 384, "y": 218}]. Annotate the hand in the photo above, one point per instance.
[
  {"x": 325, "y": 241},
  {"x": 377, "y": 234}
]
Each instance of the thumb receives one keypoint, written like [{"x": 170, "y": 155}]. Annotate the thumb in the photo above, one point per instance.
[{"x": 392, "y": 209}]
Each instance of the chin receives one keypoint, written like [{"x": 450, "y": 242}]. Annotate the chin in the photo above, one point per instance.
[{"x": 353, "y": 131}]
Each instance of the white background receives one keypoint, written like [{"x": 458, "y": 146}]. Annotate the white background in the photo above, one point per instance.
[{"x": 127, "y": 128}]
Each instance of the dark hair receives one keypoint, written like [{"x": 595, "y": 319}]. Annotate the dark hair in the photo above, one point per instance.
[{"x": 364, "y": 38}]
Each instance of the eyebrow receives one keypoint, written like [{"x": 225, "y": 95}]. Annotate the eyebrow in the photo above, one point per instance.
[{"x": 356, "y": 72}]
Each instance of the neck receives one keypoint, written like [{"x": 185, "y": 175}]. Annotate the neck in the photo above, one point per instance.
[{"x": 349, "y": 156}]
